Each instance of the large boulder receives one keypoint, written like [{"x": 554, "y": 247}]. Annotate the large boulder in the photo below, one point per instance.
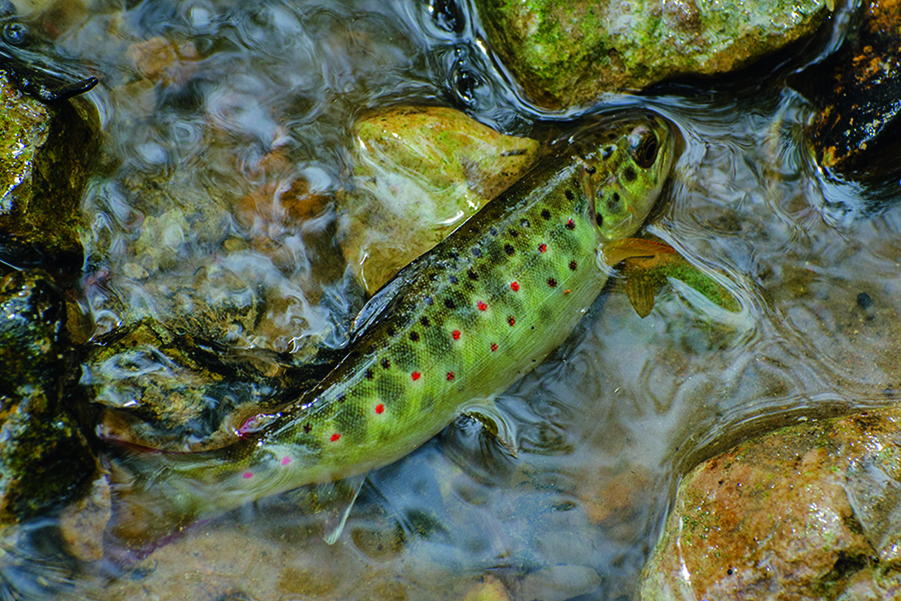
[{"x": 568, "y": 54}]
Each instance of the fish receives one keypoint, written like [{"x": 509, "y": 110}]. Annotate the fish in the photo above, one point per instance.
[{"x": 452, "y": 330}]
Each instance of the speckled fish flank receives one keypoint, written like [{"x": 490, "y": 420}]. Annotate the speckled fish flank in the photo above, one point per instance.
[{"x": 454, "y": 328}]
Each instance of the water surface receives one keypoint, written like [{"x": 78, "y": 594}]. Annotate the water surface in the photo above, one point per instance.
[{"x": 212, "y": 111}]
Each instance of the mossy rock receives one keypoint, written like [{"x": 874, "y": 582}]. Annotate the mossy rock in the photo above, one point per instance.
[
  {"x": 46, "y": 155},
  {"x": 567, "y": 54}
]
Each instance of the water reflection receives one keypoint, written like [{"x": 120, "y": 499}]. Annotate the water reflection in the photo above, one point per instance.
[{"x": 228, "y": 127}]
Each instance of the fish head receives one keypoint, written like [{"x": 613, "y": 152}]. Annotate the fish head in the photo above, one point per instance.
[{"x": 625, "y": 165}]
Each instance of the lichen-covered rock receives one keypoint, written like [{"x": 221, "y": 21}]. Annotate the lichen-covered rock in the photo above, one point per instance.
[
  {"x": 46, "y": 154},
  {"x": 806, "y": 512},
  {"x": 44, "y": 458},
  {"x": 568, "y": 54},
  {"x": 420, "y": 173}
]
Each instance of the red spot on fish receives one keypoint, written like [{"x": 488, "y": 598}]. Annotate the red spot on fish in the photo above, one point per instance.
[
  {"x": 570, "y": 225},
  {"x": 450, "y": 376},
  {"x": 379, "y": 408},
  {"x": 415, "y": 375},
  {"x": 542, "y": 248},
  {"x": 456, "y": 334},
  {"x": 493, "y": 346},
  {"x": 514, "y": 286},
  {"x": 482, "y": 306},
  {"x": 286, "y": 460},
  {"x": 248, "y": 474},
  {"x": 335, "y": 437},
  {"x": 511, "y": 320}
]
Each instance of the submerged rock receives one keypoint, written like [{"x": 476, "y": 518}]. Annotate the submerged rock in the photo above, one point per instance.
[
  {"x": 46, "y": 154},
  {"x": 420, "y": 173},
  {"x": 808, "y": 511},
  {"x": 570, "y": 54},
  {"x": 44, "y": 458},
  {"x": 855, "y": 133},
  {"x": 159, "y": 389}
]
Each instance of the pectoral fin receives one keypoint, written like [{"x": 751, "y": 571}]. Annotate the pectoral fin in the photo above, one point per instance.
[
  {"x": 648, "y": 264},
  {"x": 641, "y": 288},
  {"x": 494, "y": 422},
  {"x": 618, "y": 251}
]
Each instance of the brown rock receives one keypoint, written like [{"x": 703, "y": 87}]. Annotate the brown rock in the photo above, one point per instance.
[{"x": 794, "y": 514}]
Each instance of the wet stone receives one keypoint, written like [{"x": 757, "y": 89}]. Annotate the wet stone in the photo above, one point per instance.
[
  {"x": 44, "y": 458},
  {"x": 419, "y": 173},
  {"x": 854, "y": 135},
  {"x": 808, "y": 511},
  {"x": 42, "y": 177},
  {"x": 161, "y": 389},
  {"x": 570, "y": 54}
]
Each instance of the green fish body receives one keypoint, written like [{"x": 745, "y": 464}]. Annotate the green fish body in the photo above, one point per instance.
[{"x": 454, "y": 328}]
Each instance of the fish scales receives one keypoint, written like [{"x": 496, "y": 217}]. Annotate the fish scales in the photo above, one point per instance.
[{"x": 459, "y": 325}]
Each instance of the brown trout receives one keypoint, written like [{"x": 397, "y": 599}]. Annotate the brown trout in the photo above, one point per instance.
[{"x": 453, "y": 329}]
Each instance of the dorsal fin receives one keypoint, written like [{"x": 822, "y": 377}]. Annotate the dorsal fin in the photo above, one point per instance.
[{"x": 385, "y": 299}]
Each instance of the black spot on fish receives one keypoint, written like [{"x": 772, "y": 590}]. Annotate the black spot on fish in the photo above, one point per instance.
[
  {"x": 629, "y": 174},
  {"x": 572, "y": 265},
  {"x": 386, "y": 363},
  {"x": 452, "y": 279},
  {"x": 607, "y": 152},
  {"x": 391, "y": 331},
  {"x": 476, "y": 251},
  {"x": 369, "y": 374},
  {"x": 425, "y": 321},
  {"x": 342, "y": 397},
  {"x": 472, "y": 274},
  {"x": 545, "y": 214},
  {"x": 454, "y": 255},
  {"x": 513, "y": 233},
  {"x": 508, "y": 248},
  {"x": 427, "y": 300},
  {"x": 570, "y": 225},
  {"x": 450, "y": 304},
  {"x": 414, "y": 336},
  {"x": 492, "y": 231},
  {"x": 306, "y": 428},
  {"x": 552, "y": 282},
  {"x": 590, "y": 170},
  {"x": 569, "y": 195},
  {"x": 600, "y": 219},
  {"x": 433, "y": 277},
  {"x": 524, "y": 223}
]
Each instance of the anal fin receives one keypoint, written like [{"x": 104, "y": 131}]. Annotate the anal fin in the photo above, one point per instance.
[{"x": 333, "y": 501}]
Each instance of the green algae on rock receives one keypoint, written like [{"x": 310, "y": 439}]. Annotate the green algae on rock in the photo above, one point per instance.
[
  {"x": 46, "y": 154},
  {"x": 808, "y": 511},
  {"x": 570, "y": 54},
  {"x": 420, "y": 172},
  {"x": 44, "y": 458}
]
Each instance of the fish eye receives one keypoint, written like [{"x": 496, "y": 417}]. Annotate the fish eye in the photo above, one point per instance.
[
  {"x": 15, "y": 34},
  {"x": 644, "y": 146}
]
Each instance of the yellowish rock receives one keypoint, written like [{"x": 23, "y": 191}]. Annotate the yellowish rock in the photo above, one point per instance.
[{"x": 419, "y": 173}]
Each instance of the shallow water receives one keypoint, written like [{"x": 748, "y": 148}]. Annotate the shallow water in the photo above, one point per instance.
[{"x": 205, "y": 104}]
